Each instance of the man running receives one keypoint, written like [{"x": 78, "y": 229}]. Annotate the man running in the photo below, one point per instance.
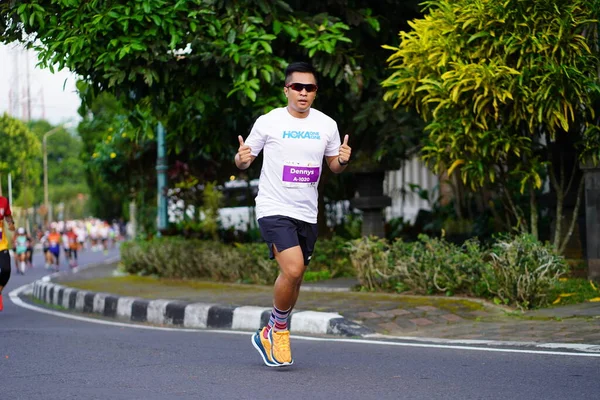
[
  {"x": 5, "y": 214},
  {"x": 294, "y": 139}
]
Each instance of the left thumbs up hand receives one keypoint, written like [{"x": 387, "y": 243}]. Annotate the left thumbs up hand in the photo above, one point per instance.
[{"x": 345, "y": 152}]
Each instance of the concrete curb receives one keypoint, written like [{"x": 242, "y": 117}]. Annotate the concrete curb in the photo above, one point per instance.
[{"x": 189, "y": 315}]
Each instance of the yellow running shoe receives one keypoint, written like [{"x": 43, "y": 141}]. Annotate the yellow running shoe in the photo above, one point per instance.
[
  {"x": 263, "y": 346},
  {"x": 281, "y": 352}
]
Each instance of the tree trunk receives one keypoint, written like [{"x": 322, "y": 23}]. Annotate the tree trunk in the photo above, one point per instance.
[
  {"x": 534, "y": 212},
  {"x": 563, "y": 246}
]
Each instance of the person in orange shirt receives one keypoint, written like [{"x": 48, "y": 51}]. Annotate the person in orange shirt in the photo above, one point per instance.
[
  {"x": 5, "y": 214},
  {"x": 54, "y": 241},
  {"x": 72, "y": 246}
]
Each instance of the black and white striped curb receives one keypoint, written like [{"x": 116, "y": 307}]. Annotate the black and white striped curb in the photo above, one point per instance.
[{"x": 189, "y": 315}]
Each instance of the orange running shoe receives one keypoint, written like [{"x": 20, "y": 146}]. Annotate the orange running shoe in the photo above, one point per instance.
[
  {"x": 281, "y": 351},
  {"x": 263, "y": 346}
]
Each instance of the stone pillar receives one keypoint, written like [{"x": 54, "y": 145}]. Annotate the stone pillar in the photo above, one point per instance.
[
  {"x": 592, "y": 218},
  {"x": 371, "y": 201}
]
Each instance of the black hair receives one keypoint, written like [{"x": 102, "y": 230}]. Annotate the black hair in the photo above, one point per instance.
[{"x": 299, "y": 67}]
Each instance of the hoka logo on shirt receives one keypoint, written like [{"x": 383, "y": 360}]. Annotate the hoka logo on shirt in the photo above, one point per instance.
[{"x": 301, "y": 135}]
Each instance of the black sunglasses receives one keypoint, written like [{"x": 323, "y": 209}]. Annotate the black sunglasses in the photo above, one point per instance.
[{"x": 298, "y": 87}]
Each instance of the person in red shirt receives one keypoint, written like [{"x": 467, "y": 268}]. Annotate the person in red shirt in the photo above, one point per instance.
[
  {"x": 5, "y": 215},
  {"x": 72, "y": 249}
]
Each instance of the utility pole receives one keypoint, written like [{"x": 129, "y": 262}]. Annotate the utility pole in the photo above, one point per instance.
[{"x": 161, "y": 178}]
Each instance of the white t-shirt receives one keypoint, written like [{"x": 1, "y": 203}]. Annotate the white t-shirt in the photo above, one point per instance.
[{"x": 293, "y": 158}]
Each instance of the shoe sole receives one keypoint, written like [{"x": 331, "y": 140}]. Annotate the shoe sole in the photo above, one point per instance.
[{"x": 261, "y": 351}]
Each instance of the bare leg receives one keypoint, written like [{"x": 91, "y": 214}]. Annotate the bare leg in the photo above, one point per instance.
[{"x": 287, "y": 285}]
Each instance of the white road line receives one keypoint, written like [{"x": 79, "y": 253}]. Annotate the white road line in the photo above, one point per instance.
[
  {"x": 594, "y": 348},
  {"x": 14, "y": 296}
]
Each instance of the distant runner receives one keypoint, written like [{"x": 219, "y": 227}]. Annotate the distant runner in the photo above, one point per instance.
[
  {"x": 5, "y": 214},
  {"x": 53, "y": 254},
  {"x": 21, "y": 247},
  {"x": 72, "y": 246}
]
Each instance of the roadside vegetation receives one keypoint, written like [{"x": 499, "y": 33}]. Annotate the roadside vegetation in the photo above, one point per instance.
[
  {"x": 514, "y": 271},
  {"x": 500, "y": 99}
]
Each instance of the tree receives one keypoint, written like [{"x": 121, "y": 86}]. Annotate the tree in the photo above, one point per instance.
[
  {"x": 20, "y": 155},
  {"x": 119, "y": 167},
  {"x": 504, "y": 86},
  {"x": 66, "y": 171},
  {"x": 168, "y": 59},
  {"x": 207, "y": 68},
  {"x": 190, "y": 63}
]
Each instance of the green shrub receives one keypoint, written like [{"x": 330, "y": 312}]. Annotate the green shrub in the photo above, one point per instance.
[
  {"x": 369, "y": 257},
  {"x": 523, "y": 271},
  {"x": 259, "y": 268},
  {"x": 332, "y": 255},
  {"x": 433, "y": 265},
  {"x": 178, "y": 257},
  {"x": 174, "y": 257},
  {"x": 427, "y": 266},
  {"x": 313, "y": 276},
  {"x": 573, "y": 291}
]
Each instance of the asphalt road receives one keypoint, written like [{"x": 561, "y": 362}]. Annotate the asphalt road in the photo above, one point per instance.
[{"x": 49, "y": 357}]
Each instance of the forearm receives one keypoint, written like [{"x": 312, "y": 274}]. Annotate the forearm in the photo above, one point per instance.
[{"x": 336, "y": 167}]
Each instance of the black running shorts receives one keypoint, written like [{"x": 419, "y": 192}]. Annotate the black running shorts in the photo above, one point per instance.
[
  {"x": 285, "y": 232},
  {"x": 4, "y": 267}
]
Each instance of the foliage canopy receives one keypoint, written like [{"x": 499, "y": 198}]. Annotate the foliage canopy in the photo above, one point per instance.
[
  {"x": 20, "y": 154},
  {"x": 499, "y": 83},
  {"x": 207, "y": 68}
]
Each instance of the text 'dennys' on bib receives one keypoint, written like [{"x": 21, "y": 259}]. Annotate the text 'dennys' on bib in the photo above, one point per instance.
[{"x": 299, "y": 176}]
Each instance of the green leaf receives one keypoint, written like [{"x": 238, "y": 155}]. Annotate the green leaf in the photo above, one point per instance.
[
  {"x": 477, "y": 36},
  {"x": 290, "y": 30},
  {"x": 231, "y": 35},
  {"x": 267, "y": 47},
  {"x": 266, "y": 75},
  {"x": 251, "y": 94},
  {"x": 374, "y": 23}
]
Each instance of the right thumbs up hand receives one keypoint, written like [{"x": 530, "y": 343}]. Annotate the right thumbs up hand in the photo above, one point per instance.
[{"x": 244, "y": 154}]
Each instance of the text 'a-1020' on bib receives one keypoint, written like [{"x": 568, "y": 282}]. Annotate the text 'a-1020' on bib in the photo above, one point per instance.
[{"x": 300, "y": 175}]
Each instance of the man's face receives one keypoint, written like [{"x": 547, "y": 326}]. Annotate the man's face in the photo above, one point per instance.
[{"x": 299, "y": 102}]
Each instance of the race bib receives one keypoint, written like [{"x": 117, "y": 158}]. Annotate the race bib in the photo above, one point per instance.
[{"x": 296, "y": 175}]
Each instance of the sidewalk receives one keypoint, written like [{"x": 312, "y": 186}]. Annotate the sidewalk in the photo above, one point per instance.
[{"x": 385, "y": 314}]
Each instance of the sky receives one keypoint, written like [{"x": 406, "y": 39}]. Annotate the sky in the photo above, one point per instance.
[{"x": 53, "y": 96}]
